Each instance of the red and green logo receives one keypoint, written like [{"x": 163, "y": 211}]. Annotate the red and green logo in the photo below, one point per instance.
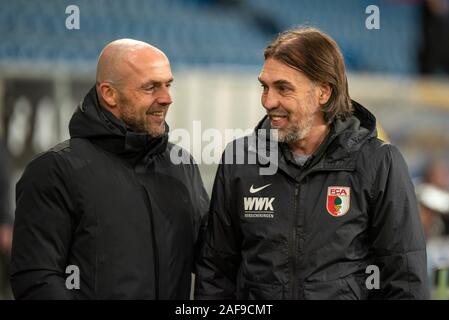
[{"x": 338, "y": 200}]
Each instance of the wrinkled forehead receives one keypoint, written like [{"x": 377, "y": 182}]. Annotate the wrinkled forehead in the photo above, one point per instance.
[
  {"x": 274, "y": 70},
  {"x": 142, "y": 67}
]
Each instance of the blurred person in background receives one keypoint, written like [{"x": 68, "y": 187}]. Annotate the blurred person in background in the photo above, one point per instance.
[
  {"x": 434, "y": 208},
  {"x": 436, "y": 174},
  {"x": 434, "y": 51},
  {"x": 107, "y": 214},
  {"x": 434, "y": 204},
  {"x": 6, "y": 221},
  {"x": 340, "y": 201}
]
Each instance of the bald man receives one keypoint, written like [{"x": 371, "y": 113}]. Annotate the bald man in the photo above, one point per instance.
[{"x": 106, "y": 214}]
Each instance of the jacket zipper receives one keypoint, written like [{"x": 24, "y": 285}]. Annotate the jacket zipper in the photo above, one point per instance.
[
  {"x": 293, "y": 253},
  {"x": 155, "y": 249}
]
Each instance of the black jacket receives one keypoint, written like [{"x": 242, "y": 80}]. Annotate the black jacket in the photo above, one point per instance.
[
  {"x": 280, "y": 237},
  {"x": 5, "y": 187},
  {"x": 112, "y": 203}
]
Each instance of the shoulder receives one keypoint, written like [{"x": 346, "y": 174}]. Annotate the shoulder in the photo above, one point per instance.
[
  {"x": 237, "y": 150},
  {"x": 178, "y": 158},
  {"x": 376, "y": 151},
  {"x": 48, "y": 165},
  {"x": 179, "y": 155},
  {"x": 245, "y": 142},
  {"x": 49, "y": 159},
  {"x": 179, "y": 163},
  {"x": 379, "y": 160},
  {"x": 61, "y": 147}
]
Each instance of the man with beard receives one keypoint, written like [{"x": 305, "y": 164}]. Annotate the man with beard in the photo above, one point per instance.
[
  {"x": 338, "y": 219},
  {"x": 107, "y": 214}
]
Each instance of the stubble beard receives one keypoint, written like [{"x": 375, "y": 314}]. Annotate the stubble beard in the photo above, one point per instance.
[
  {"x": 298, "y": 131},
  {"x": 139, "y": 122}
]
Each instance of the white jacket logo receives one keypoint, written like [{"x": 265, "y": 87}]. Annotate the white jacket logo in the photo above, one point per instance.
[
  {"x": 258, "y": 207},
  {"x": 254, "y": 190},
  {"x": 258, "y": 204}
]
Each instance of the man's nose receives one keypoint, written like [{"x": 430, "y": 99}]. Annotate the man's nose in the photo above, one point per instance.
[
  {"x": 164, "y": 97},
  {"x": 270, "y": 100}
]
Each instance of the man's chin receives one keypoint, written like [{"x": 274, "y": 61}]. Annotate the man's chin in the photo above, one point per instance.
[
  {"x": 156, "y": 133},
  {"x": 279, "y": 135},
  {"x": 289, "y": 137}
]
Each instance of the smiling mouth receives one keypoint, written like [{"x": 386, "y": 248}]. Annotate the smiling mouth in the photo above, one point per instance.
[
  {"x": 156, "y": 113},
  {"x": 277, "y": 117},
  {"x": 278, "y": 120}
]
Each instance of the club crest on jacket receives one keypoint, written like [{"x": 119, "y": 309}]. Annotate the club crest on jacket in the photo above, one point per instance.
[{"x": 338, "y": 200}]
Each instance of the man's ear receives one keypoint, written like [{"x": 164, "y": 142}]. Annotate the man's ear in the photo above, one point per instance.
[
  {"x": 325, "y": 93},
  {"x": 108, "y": 94}
]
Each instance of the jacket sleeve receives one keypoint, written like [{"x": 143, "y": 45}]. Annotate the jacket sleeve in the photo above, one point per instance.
[
  {"x": 201, "y": 208},
  {"x": 42, "y": 230},
  {"x": 217, "y": 267},
  {"x": 397, "y": 235},
  {"x": 5, "y": 188}
]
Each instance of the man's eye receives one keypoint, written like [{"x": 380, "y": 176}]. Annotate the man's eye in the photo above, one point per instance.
[
  {"x": 283, "y": 89},
  {"x": 264, "y": 87},
  {"x": 149, "y": 88}
]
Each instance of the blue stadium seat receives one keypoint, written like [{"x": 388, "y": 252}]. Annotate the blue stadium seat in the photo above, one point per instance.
[{"x": 200, "y": 33}]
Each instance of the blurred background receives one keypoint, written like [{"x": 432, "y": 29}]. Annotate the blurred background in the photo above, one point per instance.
[{"x": 398, "y": 67}]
